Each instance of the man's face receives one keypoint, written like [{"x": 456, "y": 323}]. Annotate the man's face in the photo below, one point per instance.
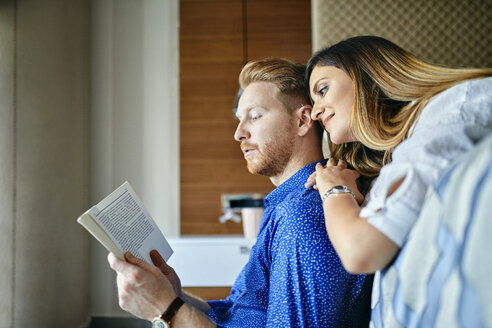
[{"x": 265, "y": 130}]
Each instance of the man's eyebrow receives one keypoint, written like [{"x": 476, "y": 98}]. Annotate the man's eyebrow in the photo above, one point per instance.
[
  {"x": 246, "y": 111},
  {"x": 237, "y": 116}
]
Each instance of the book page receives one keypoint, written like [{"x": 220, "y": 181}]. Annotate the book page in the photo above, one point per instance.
[
  {"x": 100, "y": 234},
  {"x": 125, "y": 219}
]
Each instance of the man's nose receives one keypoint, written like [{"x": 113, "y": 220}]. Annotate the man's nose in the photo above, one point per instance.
[{"x": 241, "y": 133}]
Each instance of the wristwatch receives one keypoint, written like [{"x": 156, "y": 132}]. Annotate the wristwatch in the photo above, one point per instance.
[
  {"x": 341, "y": 189},
  {"x": 164, "y": 321}
]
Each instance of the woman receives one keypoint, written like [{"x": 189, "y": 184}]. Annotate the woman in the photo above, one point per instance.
[{"x": 368, "y": 93}]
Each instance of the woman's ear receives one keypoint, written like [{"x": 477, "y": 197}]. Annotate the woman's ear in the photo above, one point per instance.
[{"x": 304, "y": 121}]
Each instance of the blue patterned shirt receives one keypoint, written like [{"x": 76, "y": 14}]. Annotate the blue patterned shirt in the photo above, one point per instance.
[{"x": 294, "y": 277}]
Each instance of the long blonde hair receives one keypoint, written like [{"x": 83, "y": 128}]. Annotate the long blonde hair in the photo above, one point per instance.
[{"x": 391, "y": 88}]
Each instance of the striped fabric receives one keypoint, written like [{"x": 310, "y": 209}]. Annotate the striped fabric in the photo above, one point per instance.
[{"x": 443, "y": 274}]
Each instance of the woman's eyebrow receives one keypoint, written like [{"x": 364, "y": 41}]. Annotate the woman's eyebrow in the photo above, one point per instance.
[{"x": 315, "y": 86}]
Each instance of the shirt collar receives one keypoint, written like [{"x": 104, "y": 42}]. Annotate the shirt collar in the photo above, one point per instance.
[{"x": 292, "y": 183}]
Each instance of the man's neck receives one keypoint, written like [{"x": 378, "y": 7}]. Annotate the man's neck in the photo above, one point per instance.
[{"x": 294, "y": 165}]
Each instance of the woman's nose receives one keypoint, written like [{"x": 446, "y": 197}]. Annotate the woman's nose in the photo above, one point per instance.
[{"x": 317, "y": 111}]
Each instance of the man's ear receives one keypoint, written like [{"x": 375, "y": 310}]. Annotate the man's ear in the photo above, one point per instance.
[{"x": 304, "y": 121}]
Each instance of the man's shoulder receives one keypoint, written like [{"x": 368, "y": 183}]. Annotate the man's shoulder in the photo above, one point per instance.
[
  {"x": 301, "y": 206},
  {"x": 301, "y": 197},
  {"x": 298, "y": 225}
]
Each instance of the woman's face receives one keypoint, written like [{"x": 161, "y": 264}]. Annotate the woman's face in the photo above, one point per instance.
[{"x": 332, "y": 91}]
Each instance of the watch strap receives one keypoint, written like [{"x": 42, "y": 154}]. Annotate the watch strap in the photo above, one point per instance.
[{"x": 168, "y": 315}]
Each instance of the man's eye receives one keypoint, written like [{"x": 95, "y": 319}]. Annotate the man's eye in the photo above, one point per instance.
[{"x": 254, "y": 117}]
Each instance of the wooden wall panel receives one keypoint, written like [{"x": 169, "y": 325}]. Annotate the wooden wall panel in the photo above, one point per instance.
[
  {"x": 211, "y": 57},
  {"x": 216, "y": 40},
  {"x": 279, "y": 28},
  {"x": 209, "y": 293}
]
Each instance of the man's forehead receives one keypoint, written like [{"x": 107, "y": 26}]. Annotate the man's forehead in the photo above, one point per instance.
[
  {"x": 258, "y": 94},
  {"x": 256, "y": 89}
]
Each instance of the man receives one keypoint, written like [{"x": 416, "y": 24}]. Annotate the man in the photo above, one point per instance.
[{"x": 294, "y": 277}]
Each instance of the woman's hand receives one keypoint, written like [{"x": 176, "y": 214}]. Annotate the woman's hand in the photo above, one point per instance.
[
  {"x": 361, "y": 247},
  {"x": 334, "y": 174},
  {"x": 311, "y": 181}
]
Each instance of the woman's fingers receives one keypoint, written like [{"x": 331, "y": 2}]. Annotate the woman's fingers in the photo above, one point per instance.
[
  {"x": 312, "y": 178},
  {"x": 334, "y": 173},
  {"x": 341, "y": 163}
]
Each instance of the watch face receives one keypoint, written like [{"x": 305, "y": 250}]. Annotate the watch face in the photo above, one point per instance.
[
  {"x": 159, "y": 323},
  {"x": 340, "y": 188}
]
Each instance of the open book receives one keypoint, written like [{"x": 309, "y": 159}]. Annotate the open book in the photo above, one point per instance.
[{"x": 121, "y": 223}]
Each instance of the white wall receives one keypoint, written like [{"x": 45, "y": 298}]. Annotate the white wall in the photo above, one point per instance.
[
  {"x": 7, "y": 161},
  {"x": 134, "y": 118},
  {"x": 43, "y": 162}
]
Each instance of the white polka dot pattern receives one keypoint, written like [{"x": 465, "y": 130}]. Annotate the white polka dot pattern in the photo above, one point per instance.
[{"x": 294, "y": 278}]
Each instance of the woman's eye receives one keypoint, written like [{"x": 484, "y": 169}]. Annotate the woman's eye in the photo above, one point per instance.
[{"x": 323, "y": 90}]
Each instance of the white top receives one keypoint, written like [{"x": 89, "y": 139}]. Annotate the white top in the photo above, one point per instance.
[{"x": 451, "y": 123}]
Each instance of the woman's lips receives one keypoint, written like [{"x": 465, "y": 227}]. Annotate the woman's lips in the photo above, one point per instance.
[{"x": 325, "y": 121}]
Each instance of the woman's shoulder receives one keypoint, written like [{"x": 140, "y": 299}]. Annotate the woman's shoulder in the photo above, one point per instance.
[
  {"x": 468, "y": 90},
  {"x": 479, "y": 89},
  {"x": 458, "y": 103}
]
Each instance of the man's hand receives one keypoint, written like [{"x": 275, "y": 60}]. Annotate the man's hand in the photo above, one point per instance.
[
  {"x": 167, "y": 270},
  {"x": 143, "y": 289}
]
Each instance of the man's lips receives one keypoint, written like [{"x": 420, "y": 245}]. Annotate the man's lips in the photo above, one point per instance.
[{"x": 248, "y": 150}]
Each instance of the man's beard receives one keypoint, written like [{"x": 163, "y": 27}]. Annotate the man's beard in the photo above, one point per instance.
[{"x": 274, "y": 156}]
